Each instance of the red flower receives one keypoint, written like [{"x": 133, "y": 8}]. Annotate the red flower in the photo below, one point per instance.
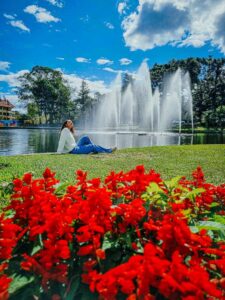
[
  {"x": 100, "y": 253},
  {"x": 8, "y": 237},
  {"x": 4, "y": 285},
  {"x": 134, "y": 246},
  {"x": 85, "y": 250},
  {"x": 58, "y": 238},
  {"x": 27, "y": 178},
  {"x": 48, "y": 173},
  {"x": 56, "y": 297},
  {"x": 198, "y": 175}
]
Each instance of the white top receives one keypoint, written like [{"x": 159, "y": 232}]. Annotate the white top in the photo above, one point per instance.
[{"x": 66, "y": 141}]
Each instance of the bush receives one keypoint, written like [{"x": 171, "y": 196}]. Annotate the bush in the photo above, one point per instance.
[{"x": 134, "y": 236}]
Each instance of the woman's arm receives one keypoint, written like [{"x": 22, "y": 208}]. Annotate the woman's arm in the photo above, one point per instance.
[{"x": 62, "y": 141}]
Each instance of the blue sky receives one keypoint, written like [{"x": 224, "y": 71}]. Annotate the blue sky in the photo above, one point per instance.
[{"x": 94, "y": 39}]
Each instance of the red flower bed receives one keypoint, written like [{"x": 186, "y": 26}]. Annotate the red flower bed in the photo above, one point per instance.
[{"x": 134, "y": 236}]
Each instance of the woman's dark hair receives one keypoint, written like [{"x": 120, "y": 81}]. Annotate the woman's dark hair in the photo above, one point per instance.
[{"x": 64, "y": 125}]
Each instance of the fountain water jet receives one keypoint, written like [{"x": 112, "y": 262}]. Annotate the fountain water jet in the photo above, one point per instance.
[{"x": 136, "y": 108}]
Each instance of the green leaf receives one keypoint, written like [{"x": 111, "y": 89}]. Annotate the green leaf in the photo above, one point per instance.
[
  {"x": 174, "y": 182},
  {"x": 35, "y": 249},
  {"x": 187, "y": 212},
  {"x": 192, "y": 194},
  {"x": 194, "y": 229},
  {"x": 74, "y": 287},
  {"x": 86, "y": 294},
  {"x": 219, "y": 219},
  {"x": 61, "y": 188},
  {"x": 153, "y": 188},
  {"x": 214, "y": 204},
  {"x": 19, "y": 282},
  {"x": 127, "y": 239},
  {"x": 210, "y": 225},
  {"x": 154, "y": 194},
  {"x": 106, "y": 244}
]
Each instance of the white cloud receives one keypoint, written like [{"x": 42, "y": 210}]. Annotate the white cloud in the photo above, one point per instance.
[
  {"x": 73, "y": 80},
  {"x": 85, "y": 19},
  {"x": 109, "y": 25},
  {"x": 16, "y": 23},
  {"x": 11, "y": 97},
  {"x": 42, "y": 15},
  {"x": 107, "y": 69},
  {"x": 104, "y": 61},
  {"x": 125, "y": 61},
  {"x": 10, "y": 17},
  {"x": 60, "y": 58},
  {"x": 15, "y": 101},
  {"x": 47, "y": 45},
  {"x": 4, "y": 65},
  {"x": 83, "y": 60},
  {"x": 121, "y": 7},
  {"x": 220, "y": 32},
  {"x": 12, "y": 78},
  {"x": 56, "y": 3},
  {"x": 161, "y": 22},
  {"x": 19, "y": 24},
  {"x": 94, "y": 85},
  {"x": 151, "y": 26}
]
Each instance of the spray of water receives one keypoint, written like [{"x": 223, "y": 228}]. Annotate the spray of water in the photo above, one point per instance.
[{"x": 137, "y": 108}]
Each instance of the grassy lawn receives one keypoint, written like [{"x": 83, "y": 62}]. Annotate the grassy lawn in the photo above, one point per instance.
[{"x": 169, "y": 161}]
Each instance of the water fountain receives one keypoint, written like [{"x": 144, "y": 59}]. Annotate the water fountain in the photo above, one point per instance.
[{"x": 137, "y": 109}]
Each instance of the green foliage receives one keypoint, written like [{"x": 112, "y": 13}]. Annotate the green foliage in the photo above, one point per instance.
[
  {"x": 84, "y": 102},
  {"x": 6, "y": 189},
  {"x": 208, "y": 87},
  {"x": 216, "y": 230},
  {"x": 19, "y": 282},
  {"x": 56, "y": 251},
  {"x": 61, "y": 188},
  {"x": 45, "y": 93},
  {"x": 83, "y": 98},
  {"x": 155, "y": 195}
]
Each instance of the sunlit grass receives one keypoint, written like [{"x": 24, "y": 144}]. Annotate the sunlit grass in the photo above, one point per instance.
[{"x": 169, "y": 161}]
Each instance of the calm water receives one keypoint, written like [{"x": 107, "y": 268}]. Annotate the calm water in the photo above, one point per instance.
[{"x": 22, "y": 141}]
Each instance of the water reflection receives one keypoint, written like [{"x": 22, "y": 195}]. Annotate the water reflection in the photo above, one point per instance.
[
  {"x": 22, "y": 141},
  {"x": 131, "y": 140}
]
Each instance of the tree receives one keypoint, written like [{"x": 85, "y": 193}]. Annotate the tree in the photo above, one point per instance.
[
  {"x": 126, "y": 80},
  {"x": 83, "y": 100},
  {"x": 208, "y": 86},
  {"x": 47, "y": 89},
  {"x": 32, "y": 111}
]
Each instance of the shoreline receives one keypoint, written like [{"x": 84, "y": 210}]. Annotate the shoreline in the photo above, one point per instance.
[{"x": 209, "y": 131}]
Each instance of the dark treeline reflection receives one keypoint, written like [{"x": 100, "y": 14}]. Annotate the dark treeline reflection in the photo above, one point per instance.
[
  {"x": 22, "y": 141},
  {"x": 43, "y": 140}
]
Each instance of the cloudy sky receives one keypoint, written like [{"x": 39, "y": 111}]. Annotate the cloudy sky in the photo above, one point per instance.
[{"x": 96, "y": 39}]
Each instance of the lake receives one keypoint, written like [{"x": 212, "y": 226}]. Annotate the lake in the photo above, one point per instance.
[{"x": 22, "y": 141}]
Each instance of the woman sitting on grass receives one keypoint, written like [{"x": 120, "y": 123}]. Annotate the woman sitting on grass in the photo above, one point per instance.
[{"x": 67, "y": 143}]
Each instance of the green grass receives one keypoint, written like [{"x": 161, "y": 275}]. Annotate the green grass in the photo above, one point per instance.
[{"x": 169, "y": 161}]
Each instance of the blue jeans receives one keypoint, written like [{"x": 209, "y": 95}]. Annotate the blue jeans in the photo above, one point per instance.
[{"x": 86, "y": 146}]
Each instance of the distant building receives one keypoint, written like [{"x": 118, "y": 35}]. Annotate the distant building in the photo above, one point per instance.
[
  {"x": 7, "y": 116},
  {"x": 6, "y": 112}
]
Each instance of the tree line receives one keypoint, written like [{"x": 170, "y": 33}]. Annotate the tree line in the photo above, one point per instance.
[
  {"x": 207, "y": 85},
  {"x": 49, "y": 98}
]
